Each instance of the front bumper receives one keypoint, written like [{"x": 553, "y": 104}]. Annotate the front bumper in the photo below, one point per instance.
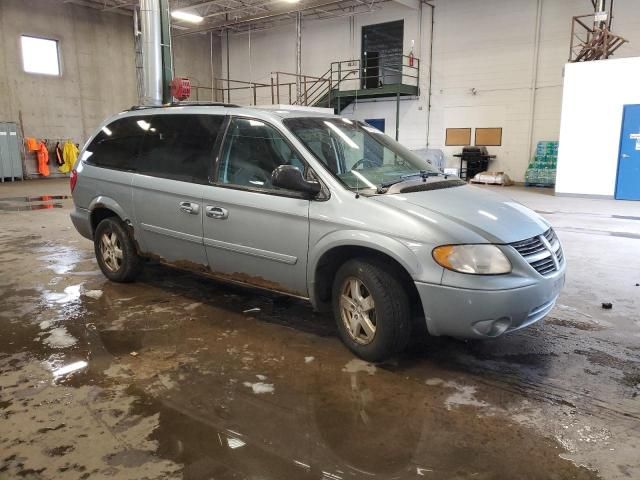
[{"x": 467, "y": 313}]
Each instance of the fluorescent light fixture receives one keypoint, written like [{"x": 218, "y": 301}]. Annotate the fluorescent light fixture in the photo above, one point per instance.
[
  {"x": 342, "y": 135},
  {"x": 291, "y": 1},
  {"x": 186, "y": 16}
]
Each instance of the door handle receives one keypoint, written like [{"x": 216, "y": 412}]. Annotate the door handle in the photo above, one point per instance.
[
  {"x": 217, "y": 212},
  {"x": 190, "y": 207}
]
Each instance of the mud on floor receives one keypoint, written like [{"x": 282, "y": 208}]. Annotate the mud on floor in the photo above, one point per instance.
[{"x": 177, "y": 376}]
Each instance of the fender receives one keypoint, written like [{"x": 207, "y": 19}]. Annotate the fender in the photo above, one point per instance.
[
  {"x": 102, "y": 201},
  {"x": 412, "y": 256}
]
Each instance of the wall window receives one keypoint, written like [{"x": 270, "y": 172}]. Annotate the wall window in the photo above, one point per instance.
[{"x": 40, "y": 55}]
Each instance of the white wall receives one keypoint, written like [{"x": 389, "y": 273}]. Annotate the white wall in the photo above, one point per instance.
[
  {"x": 495, "y": 56},
  {"x": 487, "y": 46},
  {"x": 592, "y": 103},
  {"x": 254, "y": 56}
]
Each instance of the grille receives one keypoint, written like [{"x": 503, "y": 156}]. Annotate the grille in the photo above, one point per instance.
[{"x": 534, "y": 250}]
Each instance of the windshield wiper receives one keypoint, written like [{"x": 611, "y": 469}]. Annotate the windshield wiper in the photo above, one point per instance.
[{"x": 422, "y": 173}]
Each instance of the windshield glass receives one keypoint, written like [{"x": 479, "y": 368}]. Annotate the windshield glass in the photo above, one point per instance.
[{"x": 359, "y": 155}]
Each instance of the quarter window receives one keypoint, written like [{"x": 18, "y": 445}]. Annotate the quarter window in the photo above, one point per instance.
[
  {"x": 180, "y": 146},
  {"x": 252, "y": 151},
  {"x": 117, "y": 144}
]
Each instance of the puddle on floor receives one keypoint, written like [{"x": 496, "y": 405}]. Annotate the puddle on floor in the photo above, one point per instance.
[
  {"x": 168, "y": 378},
  {"x": 40, "y": 202},
  {"x": 37, "y": 198}
]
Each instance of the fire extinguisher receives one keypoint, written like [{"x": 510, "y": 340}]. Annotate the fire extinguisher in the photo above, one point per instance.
[{"x": 411, "y": 57}]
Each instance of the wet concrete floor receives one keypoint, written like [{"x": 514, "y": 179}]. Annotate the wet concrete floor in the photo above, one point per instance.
[{"x": 176, "y": 376}]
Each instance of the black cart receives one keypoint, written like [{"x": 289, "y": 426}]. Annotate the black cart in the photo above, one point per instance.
[{"x": 473, "y": 160}]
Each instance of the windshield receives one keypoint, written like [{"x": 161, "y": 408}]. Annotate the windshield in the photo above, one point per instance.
[{"x": 359, "y": 155}]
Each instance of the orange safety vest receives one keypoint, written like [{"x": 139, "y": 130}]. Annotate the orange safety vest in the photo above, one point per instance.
[
  {"x": 32, "y": 144},
  {"x": 43, "y": 160}
]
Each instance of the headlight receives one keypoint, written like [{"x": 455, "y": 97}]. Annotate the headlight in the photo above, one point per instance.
[{"x": 474, "y": 259}]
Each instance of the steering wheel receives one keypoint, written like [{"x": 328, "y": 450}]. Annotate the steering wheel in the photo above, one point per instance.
[{"x": 363, "y": 162}]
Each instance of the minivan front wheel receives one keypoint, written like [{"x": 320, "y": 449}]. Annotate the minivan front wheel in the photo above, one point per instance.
[
  {"x": 115, "y": 251},
  {"x": 371, "y": 309}
]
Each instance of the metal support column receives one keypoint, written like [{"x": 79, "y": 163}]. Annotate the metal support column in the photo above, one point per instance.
[
  {"x": 397, "y": 114},
  {"x": 298, "y": 56},
  {"x": 228, "y": 62}
]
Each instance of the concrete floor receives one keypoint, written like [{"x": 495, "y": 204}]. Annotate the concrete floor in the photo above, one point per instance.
[{"x": 182, "y": 382}]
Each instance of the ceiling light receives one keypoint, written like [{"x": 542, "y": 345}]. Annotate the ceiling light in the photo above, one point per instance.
[
  {"x": 292, "y": 1},
  {"x": 186, "y": 16}
]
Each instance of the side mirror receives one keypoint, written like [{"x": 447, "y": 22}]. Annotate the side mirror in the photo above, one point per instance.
[{"x": 290, "y": 178}]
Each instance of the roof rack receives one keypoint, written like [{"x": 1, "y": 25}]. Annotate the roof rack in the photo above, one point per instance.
[{"x": 185, "y": 104}]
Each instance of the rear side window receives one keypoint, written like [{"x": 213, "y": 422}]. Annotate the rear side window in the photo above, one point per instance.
[
  {"x": 180, "y": 147},
  {"x": 117, "y": 144}
]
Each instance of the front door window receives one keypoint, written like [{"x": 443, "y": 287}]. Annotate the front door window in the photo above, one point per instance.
[{"x": 252, "y": 152}]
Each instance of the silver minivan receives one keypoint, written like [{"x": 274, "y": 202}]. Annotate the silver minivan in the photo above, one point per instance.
[{"x": 319, "y": 207}]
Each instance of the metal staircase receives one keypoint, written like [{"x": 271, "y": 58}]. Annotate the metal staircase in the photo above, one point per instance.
[
  {"x": 342, "y": 84},
  {"x": 591, "y": 35}
]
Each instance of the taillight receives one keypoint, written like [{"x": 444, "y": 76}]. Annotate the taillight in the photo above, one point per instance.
[{"x": 73, "y": 179}]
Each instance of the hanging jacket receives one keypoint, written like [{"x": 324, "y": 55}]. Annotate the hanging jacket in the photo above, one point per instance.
[
  {"x": 43, "y": 159},
  {"x": 32, "y": 144},
  {"x": 69, "y": 155},
  {"x": 59, "y": 157}
]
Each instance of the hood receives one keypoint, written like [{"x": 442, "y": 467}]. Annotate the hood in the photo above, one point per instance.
[{"x": 474, "y": 211}]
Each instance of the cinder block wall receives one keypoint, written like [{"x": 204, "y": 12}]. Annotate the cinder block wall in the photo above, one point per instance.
[{"x": 97, "y": 64}]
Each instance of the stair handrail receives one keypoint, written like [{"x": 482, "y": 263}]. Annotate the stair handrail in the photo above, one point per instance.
[{"x": 322, "y": 81}]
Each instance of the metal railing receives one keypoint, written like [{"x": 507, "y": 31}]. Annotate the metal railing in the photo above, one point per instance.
[
  {"x": 313, "y": 90},
  {"x": 592, "y": 39}
]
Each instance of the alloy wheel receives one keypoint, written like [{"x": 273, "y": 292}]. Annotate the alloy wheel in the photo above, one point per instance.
[
  {"x": 358, "y": 311},
  {"x": 111, "y": 251}
]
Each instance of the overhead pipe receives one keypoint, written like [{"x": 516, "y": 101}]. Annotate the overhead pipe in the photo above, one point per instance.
[
  {"x": 429, "y": 92},
  {"x": 166, "y": 51},
  {"x": 151, "y": 27}
]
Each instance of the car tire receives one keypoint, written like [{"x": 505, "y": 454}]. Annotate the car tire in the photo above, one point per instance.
[
  {"x": 357, "y": 280},
  {"x": 115, "y": 251}
]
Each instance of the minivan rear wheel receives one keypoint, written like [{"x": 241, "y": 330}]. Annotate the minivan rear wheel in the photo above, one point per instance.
[
  {"x": 371, "y": 309},
  {"x": 115, "y": 251}
]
